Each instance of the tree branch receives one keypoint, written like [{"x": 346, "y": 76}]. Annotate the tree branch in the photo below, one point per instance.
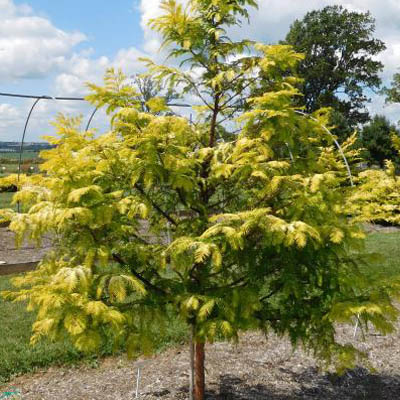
[
  {"x": 157, "y": 207},
  {"x": 272, "y": 293},
  {"x": 184, "y": 202},
  {"x": 120, "y": 261},
  {"x": 231, "y": 285}
]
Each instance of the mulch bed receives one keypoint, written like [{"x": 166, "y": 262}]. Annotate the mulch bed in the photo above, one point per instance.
[{"x": 255, "y": 369}]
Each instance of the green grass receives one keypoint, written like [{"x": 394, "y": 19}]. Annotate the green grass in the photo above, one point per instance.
[
  {"x": 14, "y": 157},
  {"x": 17, "y": 356},
  {"x": 5, "y": 200},
  {"x": 388, "y": 246}
]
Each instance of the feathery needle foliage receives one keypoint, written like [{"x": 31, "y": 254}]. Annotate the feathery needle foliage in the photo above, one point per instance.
[
  {"x": 378, "y": 196},
  {"x": 211, "y": 222}
]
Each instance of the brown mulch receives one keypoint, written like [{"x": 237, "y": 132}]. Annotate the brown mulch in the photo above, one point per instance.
[
  {"x": 373, "y": 228},
  {"x": 255, "y": 369}
]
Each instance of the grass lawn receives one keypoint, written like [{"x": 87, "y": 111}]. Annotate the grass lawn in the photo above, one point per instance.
[
  {"x": 5, "y": 199},
  {"x": 17, "y": 356},
  {"x": 388, "y": 246}
]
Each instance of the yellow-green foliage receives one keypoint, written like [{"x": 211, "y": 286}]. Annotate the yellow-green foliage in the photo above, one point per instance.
[
  {"x": 226, "y": 230},
  {"x": 378, "y": 196}
]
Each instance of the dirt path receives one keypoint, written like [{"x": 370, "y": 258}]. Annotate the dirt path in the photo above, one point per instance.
[{"x": 255, "y": 369}]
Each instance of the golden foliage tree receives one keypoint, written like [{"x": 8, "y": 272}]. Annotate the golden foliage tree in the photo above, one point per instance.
[{"x": 236, "y": 221}]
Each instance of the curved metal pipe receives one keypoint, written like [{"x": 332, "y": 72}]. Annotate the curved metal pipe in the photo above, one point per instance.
[
  {"x": 90, "y": 118},
  {"x": 336, "y": 143},
  {"x": 21, "y": 147}
]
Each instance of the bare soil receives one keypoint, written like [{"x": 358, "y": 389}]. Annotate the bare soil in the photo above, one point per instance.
[
  {"x": 254, "y": 369},
  {"x": 373, "y": 228}
]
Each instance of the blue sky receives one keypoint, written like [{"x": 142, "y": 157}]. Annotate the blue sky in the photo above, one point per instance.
[
  {"x": 108, "y": 25},
  {"x": 88, "y": 36},
  {"x": 53, "y": 47}
]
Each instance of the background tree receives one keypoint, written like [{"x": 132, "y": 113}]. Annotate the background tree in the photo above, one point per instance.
[
  {"x": 161, "y": 219},
  {"x": 340, "y": 60},
  {"x": 393, "y": 93},
  {"x": 150, "y": 90},
  {"x": 376, "y": 138}
]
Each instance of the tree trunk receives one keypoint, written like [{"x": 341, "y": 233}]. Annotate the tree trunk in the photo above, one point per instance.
[
  {"x": 191, "y": 370},
  {"x": 199, "y": 371}
]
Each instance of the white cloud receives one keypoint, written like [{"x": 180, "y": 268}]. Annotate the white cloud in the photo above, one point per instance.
[
  {"x": 128, "y": 60},
  {"x": 9, "y": 116},
  {"x": 380, "y": 107},
  {"x": 150, "y": 9},
  {"x": 80, "y": 68},
  {"x": 272, "y": 19},
  {"x": 8, "y": 8},
  {"x": 31, "y": 46}
]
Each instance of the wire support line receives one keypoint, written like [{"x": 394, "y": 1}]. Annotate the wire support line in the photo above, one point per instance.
[{"x": 46, "y": 97}]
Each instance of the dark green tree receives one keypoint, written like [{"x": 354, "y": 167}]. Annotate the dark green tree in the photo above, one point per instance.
[
  {"x": 393, "y": 93},
  {"x": 376, "y": 138},
  {"x": 339, "y": 63},
  {"x": 340, "y": 125}
]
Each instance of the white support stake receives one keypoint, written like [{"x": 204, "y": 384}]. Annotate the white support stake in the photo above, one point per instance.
[
  {"x": 139, "y": 365},
  {"x": 356, "y": 327},
  {"x": 137, "y": 382}
]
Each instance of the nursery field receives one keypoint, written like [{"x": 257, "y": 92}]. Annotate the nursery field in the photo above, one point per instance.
[
  {"x": 9, "y": 165},
  {"x": 267, "y": 369},
  {"x": 14, "y": 156}
]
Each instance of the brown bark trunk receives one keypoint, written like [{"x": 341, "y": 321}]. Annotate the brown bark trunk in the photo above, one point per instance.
[
  {"x": 214, "y": 121},
  {"x": 199, "y": 371},
  {"x": 191, "y": 371}
]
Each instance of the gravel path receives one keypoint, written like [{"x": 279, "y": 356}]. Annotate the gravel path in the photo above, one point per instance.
[{"x": 254, "y": 369}]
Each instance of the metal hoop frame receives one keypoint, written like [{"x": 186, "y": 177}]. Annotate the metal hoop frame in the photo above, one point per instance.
[
  {"x": 44, "y": 97},
  {"x": 336, "y": 143}
]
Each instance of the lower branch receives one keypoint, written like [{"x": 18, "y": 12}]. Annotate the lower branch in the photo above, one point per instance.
[{"x": 120, "y": 261}]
